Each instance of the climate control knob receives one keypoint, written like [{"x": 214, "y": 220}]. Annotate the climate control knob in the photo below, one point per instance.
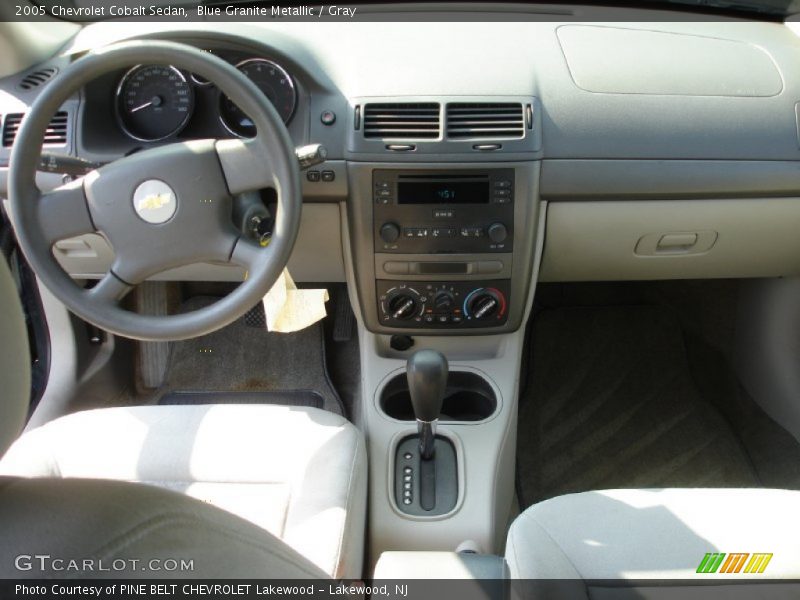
[
  {"x": 485, "y": 303},
  {"x": 402, "y": 306},
  {"x": 497, "y": 232},
  {"x": 390, "y": 232},
  {"x": 444, "y": 301}
]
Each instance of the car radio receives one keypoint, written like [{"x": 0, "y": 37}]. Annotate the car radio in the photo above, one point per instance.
[{"x": 424, "y": 212}]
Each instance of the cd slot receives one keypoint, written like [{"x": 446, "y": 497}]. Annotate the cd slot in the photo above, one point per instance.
[{"x": 443, "y": 177}]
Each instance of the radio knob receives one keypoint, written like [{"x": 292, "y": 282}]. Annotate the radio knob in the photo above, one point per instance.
[
  {"x": 402, "y": 306},
  {"x": 390, "y": 232},
  {"x": 497, "y": 232},
  {"x": 444, "y": 301}
]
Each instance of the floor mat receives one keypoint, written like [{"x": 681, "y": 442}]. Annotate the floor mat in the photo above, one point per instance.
[
  {"x": 239, "y": 358},
  {"x": 612, "y": 404}
]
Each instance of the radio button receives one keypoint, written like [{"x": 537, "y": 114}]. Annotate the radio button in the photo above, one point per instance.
[
  {"x": 415, "y": 232},
  {"x": 443, "y": 232},
  {"x": 474, "y": 232},
  {"x": 502, "y": 193},
  {"x": 444, "y": 213},
  {"x": 382, "y": 193},
  {"x": 502, "y": 183}
]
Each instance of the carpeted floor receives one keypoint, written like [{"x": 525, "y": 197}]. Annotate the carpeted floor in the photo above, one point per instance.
[
  {"x": 239, "y": 358},
  {"x": 612, "y": 403}
]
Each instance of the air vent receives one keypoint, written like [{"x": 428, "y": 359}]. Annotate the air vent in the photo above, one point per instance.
[
  {"x": 56, "y": 134},
  {"x": 402, "y": 121},
  {"x": 37, "y": 78},
  {"x": 485, "y": 121}
]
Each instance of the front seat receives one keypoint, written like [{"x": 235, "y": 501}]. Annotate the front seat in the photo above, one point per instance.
[
  {"x": 246, "y": 490},
  {"x": 616, "y": 537}
]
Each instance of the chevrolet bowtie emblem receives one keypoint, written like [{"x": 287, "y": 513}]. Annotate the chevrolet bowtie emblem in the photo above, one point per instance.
[{"x": 155, "y": 201}]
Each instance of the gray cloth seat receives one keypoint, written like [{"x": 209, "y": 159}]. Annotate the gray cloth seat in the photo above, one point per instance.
[
  {"x": 127, "y": 530},
  {"x": 298, "y": 473},
  {"x": 279, "y": 492},
  {"x": 655, "y": 534}
]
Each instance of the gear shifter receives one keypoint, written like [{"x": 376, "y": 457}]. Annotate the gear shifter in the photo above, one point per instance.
[{"x": 427, "y": 379}]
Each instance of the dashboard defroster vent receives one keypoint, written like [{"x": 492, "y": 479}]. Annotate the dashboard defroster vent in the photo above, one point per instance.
[
  {"x": 56, "y": 134},
  {"x": 485, "y": 121},
  {"x": 37, "y": 78},
  {"x": 402, "y": 121}
]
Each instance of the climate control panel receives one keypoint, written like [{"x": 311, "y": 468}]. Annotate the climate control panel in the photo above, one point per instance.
[{"x": 442, "y": 305}]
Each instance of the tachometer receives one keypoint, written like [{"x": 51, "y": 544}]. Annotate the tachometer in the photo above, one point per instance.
[
  {"x": 154, "y": 102},
  {"x": 276, "y": 84}
]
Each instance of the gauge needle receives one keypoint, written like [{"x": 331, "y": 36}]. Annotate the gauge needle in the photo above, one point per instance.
[{"x": 156, "y": 101}]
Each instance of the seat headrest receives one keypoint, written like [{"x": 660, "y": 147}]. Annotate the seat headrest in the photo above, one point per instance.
[{"x": 15, "y": 367}]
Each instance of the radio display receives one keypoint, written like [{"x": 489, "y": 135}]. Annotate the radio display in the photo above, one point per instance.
[{"x": 443, "y": 192}]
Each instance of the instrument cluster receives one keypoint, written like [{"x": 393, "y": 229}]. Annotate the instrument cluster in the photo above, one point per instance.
[{"x": 157, "y": 102}]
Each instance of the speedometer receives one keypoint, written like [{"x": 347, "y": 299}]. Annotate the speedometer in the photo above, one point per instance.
[
  {"x": 154, "y": 102},
  {"x": 274, "y": 82}
]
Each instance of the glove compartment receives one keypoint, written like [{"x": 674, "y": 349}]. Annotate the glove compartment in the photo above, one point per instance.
[{"x": 675, "y": 239}]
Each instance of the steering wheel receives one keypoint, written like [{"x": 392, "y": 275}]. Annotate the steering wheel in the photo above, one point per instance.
[{"x": 159, "y": 208}]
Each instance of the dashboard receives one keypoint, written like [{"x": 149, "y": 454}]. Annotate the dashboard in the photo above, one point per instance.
[{"x": 458, "y": 172}]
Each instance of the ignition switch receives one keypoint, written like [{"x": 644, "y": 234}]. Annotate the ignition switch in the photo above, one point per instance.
[{"x": 261, "y": 228}]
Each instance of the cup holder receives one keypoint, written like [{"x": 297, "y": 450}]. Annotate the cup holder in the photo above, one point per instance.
[{"x": 468, "y": 397}]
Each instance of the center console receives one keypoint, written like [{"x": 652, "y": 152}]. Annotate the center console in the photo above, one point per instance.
[
  {"x": 444, "y": 237},
  {"x": 439, "y": 251}
]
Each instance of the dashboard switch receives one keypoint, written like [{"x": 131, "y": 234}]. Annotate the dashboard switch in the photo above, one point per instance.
[
  {"x": 328, "y": 117},
  {"x": 312, "y": 176},
  {"x": 328, "y": 176}
]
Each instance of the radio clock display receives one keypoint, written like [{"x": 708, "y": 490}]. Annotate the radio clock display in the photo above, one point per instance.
[{"x": 443, "y": 192}]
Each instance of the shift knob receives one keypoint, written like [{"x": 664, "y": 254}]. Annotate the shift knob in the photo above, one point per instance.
[{"x": 427, "y": 379}]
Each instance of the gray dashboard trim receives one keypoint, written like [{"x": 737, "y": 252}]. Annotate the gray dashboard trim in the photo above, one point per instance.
[{"x": 566, "y": 180}]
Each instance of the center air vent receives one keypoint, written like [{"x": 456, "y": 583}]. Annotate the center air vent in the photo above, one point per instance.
[
  {"x": 485, "y": 121},
  {"x": 56, "y": 134},
  {"x": 402, "y": 121}
]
